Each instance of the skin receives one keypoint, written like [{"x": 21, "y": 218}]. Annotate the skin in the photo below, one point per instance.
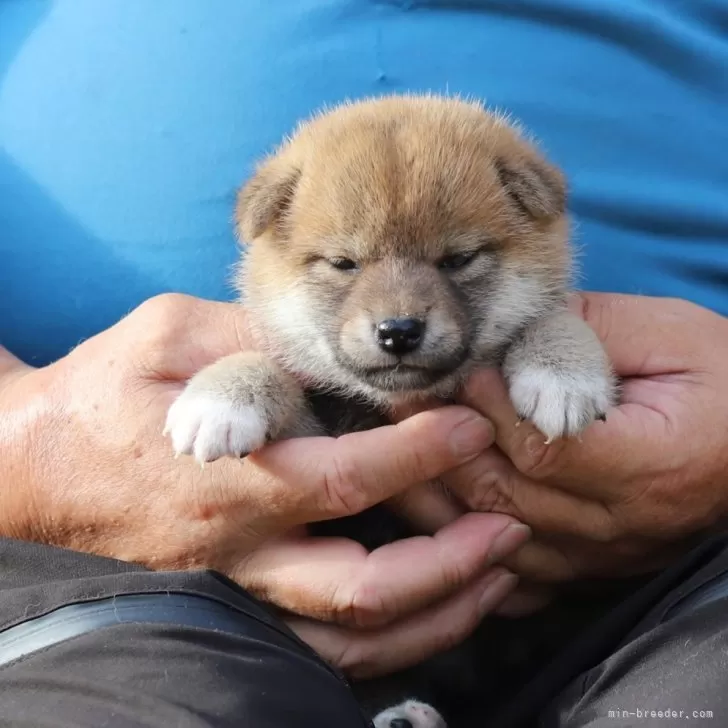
[
  {"x": 83, "y": 449},
  {"x": 635, "y": 491},
  {"x": 85, "y": 466}
]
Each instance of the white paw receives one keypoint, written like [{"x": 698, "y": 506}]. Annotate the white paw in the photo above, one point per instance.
[
  {"x": 211, "y": 427},
  {"x": 560, "y": 404},
  {"x": 410, "y": 713}
]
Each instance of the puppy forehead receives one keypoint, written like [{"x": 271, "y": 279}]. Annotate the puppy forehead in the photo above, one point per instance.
[{"x": 401, "y": 182}]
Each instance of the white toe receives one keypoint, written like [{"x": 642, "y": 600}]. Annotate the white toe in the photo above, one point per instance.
[{"x": 212, "y": 427}]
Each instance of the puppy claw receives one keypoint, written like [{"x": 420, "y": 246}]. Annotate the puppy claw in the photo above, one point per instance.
[
  {"x": 601, "y": 416},
  {"x": 560, "y": 404}
]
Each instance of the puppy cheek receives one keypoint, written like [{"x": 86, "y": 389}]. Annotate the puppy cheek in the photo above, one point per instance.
[
  {"x": 447, "y": 331},
  {"x": 516, "y": 298}
]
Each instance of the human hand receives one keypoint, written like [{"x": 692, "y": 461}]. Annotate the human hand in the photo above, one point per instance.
[
  {"x": 624, "y": 499},
  {"x": 90, "y": 470}
]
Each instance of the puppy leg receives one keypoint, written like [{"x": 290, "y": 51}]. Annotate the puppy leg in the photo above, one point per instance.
[
  {"x": 236, "y": 406},
  {"x": 559, "y": 376}
]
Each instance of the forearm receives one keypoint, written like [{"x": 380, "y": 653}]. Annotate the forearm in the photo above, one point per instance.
[{"x": 10, "y": 368}]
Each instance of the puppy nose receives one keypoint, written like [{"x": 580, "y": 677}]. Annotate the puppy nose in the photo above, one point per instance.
[
  {"x": 399, "y": 335},
  {"x": 400, "y": 723}
]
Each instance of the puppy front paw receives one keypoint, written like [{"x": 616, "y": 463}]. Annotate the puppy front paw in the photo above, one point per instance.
[
  {"x": 560, "y": 404},
  {"x": 235, "y": 406},
  {"x": 211, "y": 427}
]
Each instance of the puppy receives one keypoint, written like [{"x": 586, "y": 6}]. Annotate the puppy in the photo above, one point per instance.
[{"x": 394, "y": 245}]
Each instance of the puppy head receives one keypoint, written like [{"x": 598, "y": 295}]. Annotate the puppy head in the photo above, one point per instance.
[{"x": 395, "y": 242}]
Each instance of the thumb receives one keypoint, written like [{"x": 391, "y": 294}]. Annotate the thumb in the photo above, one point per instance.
[
  {"x": 340, "y": 477},
  {"x": 642, "y": 335}
]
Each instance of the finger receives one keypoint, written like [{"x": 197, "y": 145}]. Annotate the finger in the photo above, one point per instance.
[
  {"x": 543, "y": 563},
  {"x": 339, "y": 477},
  {"x": 639, "y": 332},
  {"x": 617, "y": 446},
  {"x": 406, "y": 643},
  {"x": 427, "y": 507},
  {"x": 173, "y": 336},
  {"x": 491, "y": 484},
  {"x": 337, "y": 580},
  {"x": 524, "y": 600},
  {"x": 571, "y": 559}
]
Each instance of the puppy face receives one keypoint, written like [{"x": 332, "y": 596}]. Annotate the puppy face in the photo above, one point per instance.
[{"x": 396, "y": 242}]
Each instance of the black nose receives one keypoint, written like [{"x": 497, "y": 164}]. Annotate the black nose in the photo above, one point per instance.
[
  {"x": 400, "y": 723},
  {"x": 400, "y": 335}
]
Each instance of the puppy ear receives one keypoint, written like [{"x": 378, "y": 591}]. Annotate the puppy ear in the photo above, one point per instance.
[
  {"x": 264, "y": 200},
  {"x": 536, "y": 186}
]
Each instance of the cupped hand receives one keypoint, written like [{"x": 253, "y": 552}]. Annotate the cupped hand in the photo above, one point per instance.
[
  {"x": 634, "y": 491},
  {"x": 90, "y": 470}
]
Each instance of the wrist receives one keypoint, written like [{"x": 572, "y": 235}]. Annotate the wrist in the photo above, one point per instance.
[
  {"x": 11, "y": 369},
  {"x": 22, "y": 404}
]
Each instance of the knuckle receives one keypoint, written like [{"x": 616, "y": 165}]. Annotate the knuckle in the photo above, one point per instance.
[
  {"x": 163, "y": 309},
  {"x": 160, "y": 324},
  {"x": 535, "y": 458},
  {"x": 414, "y": 466},
  {"x": 343, "y": 488},
  {"x": 359, "y": 606},
  {"x": 605, "y": 529},
  {"x": 367, "y": 608},
  {"x": 605, "y": 532},
  {"x": 487, "y": 485},
  {"x": 484, "y": 493},
  {"x": 453, "y": 573}
]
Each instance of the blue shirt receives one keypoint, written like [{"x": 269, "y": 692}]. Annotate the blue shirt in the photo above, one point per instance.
[{"x": 126, "y": 126}]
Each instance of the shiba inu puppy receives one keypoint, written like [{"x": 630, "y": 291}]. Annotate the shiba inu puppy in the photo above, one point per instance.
[{"x": 394, "y": 245}]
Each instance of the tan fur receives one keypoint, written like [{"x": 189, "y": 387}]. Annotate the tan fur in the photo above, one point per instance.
[{"x": 397, "y": 185}]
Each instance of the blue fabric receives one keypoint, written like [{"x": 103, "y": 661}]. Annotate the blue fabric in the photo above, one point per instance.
[{"x": 126, "y": 125}]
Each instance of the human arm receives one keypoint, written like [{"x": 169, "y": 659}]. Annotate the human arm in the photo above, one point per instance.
[{"x": 86, "y": 467}]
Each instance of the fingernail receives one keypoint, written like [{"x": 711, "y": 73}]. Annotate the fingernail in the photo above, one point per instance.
[
  {"x": 496, "y": 590},
  {"x": 508, "y": 541},
  {"x": 471, "y": 437}
]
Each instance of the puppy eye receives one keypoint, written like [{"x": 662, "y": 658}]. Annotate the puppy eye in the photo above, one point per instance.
[
  {"x": 456, "y": 260},
  {"x": 345, "y": 264}
]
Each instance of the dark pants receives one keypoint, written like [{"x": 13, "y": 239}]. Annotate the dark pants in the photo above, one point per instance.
[{"x": 86, "y": 641}]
